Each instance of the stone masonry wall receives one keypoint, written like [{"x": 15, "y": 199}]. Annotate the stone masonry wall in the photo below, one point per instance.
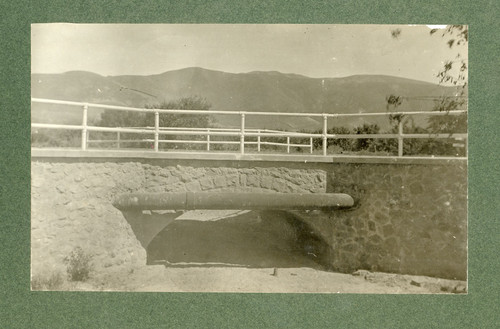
[
  {"x": 407, "y": 218},
  {"x": 71, "y": 204}
]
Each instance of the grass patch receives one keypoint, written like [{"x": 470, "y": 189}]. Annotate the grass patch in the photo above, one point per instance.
[{"x": 79, "y": 265}]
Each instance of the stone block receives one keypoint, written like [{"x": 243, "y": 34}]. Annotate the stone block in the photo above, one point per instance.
[
  {"x": 392, "y": 245},
  {"x": 220, "y": 181},
  {"x": 253, "y": 180},
  {"x": 350, "y": 247},
  {"x": 351, "y": 231},
  {"x": 185, "y": 178},
  {"x": 266, "y": 182},
  {"x": 396, "y": 181},
  {"x": 381, "y": 218},
  {"x": 347, "y": 221},
  {"x": 170, "y": 179},
  {"x": 371, "y": 225},
  {"x": 243, "y": 180},
  {"x": 375, "y": 239},
  {"x": 193, "y": 186},
  {"x": 279, "y": 186},
  {"x": 388, "y": 230},
  {"x": 206, "y": 183},
  {"x": 416, "y": 188},
  {"x": 360, "y": 240},
  {"x": 232, "y": 180},
  {"x": 359, "y": 223}
]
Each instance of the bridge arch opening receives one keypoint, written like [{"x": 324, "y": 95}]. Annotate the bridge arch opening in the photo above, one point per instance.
[
  {"x": 268, "y": 234},
  {"x": 253, "y": 239}
]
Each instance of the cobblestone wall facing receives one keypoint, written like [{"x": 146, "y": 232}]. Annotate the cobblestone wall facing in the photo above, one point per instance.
[
  {"x": 406, "y": 219},
  {"x": 71, "y": 204}
]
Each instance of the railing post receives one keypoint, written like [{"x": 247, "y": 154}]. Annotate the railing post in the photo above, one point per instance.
[
  {"x": 311, "y": 144},
  {"x": 157, "y": 129},
  {"x": 258, "y": 141},
  {"x": 288, "y": 144},
  {"x": 208, "y": 139},
  {"x": 84, "y": 129},
  {"x": 242, "y": 134},
  {"x": 400, "y": 138},
  {"x": 325, "y": 132}
]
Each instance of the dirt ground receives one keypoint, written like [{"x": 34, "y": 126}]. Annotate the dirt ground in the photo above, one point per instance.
[{"x": 160, "y": 278}]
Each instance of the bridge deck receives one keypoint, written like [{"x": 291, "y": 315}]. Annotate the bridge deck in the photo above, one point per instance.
[{"x": 43, "y": 153}]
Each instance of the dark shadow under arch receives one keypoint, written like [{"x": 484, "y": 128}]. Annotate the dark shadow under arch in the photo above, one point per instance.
[{"x": 256, "y": 239}]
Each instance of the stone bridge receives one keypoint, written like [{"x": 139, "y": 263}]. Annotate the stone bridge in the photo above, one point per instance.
[{"x": 409, "y": 214}]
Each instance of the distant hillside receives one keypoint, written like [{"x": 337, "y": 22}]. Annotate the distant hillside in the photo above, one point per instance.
[{"x": 254, "y": 91}]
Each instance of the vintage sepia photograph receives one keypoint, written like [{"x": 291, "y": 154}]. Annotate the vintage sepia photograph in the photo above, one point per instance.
[{"x": 249, "y": 158}]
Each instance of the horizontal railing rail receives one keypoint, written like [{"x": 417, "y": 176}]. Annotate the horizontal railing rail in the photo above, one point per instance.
[
  {"x": 242, "y": 132},
  {"x": 295, "y": 114}
]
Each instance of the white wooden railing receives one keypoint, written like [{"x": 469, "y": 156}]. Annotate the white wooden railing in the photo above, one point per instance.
[
  {"x": 118, "y": 141},
  {"x": 242, "y": 132}
]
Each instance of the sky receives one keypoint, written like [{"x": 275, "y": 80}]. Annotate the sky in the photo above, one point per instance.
[{"x": 318, "y": 51}]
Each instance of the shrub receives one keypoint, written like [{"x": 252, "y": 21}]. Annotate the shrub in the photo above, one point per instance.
[
  {"x": 366, "y": 144},
  {"x": 78, "y": 265},
  {"x": 55, "y": 138},
  {"x": 111, "y": 118}
]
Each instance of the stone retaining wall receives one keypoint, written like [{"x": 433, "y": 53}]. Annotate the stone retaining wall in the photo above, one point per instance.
[
  {"x": 407, "y": 218},
  {"x": 71, "y": 204}
]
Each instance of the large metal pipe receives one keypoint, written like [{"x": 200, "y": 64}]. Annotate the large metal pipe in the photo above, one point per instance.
[{"x": 232, "y": 200}]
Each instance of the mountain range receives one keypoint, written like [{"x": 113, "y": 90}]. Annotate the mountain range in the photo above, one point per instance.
[{"x": 253, "y": 91}]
